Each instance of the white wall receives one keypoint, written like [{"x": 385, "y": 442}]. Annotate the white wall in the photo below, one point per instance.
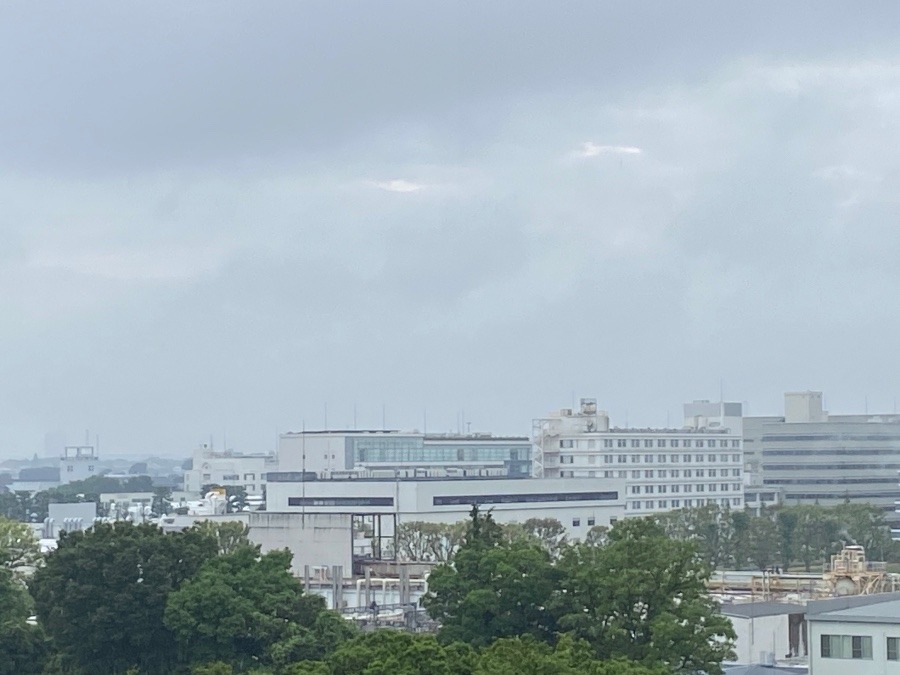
[
  {"x": 878, "y": 664},
  {"x": 414, "y": 500},
  {"x": 324, "y": 452},
  {"x": 761, "y": 634},
  {"x": 320, "y": 539},
  {"x": 210, "y": 467}
]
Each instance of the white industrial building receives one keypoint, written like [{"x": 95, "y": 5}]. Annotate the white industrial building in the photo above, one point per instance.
[
  {"x": 662, "y": 469},
  {"x": 579, "y": 504},
  {"x": 859, "y": 635},
  {"x": 228, "y": 468},
  {"x": 339, "y": 452},
  {"x": 78, "y": 462},
  {"x": 768, "y": 633}
]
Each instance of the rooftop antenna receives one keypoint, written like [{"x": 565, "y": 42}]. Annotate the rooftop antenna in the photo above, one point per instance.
[{"x": 468, "y": 427}]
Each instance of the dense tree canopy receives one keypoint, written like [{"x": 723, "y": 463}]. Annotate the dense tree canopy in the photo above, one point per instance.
[
  {"x": 494, "y": 588},
  {"x": 633, "y": 594},
  {"x": 101, "y": 595},
  {"x": 643, "y": 597},
  {"x": 240, "y": 606}
]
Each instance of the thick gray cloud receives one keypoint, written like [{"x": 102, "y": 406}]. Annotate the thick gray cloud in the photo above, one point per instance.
[{"x": 220, "y": 217}]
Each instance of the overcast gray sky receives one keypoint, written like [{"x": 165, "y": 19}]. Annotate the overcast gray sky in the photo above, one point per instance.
[{"x": 217, "y": 217}]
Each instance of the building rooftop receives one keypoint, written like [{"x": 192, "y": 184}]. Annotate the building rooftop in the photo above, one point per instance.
[
  {"x": 297, "y": 477},
  {"x": 758, "y": 669},
  {"x": 881, "y": 612},
  {"x": 752, "y": 610}
]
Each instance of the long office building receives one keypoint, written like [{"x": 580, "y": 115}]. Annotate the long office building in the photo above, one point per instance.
[
  {"x": 663, "y": 469},
  {"x": 813, "y": 457},
  {"x": 333, "y": 453}
]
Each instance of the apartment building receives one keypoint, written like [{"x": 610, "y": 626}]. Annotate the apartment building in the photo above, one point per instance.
[
  {"x": 700, "y": 463},
  {"x": 813, "y": 457}
]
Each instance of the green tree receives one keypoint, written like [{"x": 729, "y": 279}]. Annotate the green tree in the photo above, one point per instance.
[
  {"x": 549, "y": 532},
  {"x": 527, "y": 656},
  {"x": 763, "y": 542},
  {"x": 302, "y": 643},
  {"x": 418, "y": 540},
  {"x": 598, "y": 535},
  {"x": 230, "y": 535},
  {"x": 643, "y": 597},
  {"x": 786, "y": 522},
  {"x": 23, "y": 647},
  {"x": 162, "y": 501},
  {"x": 19, "y": 547},
  {"x": 864, "y": 525},
  {"x": 493, "y": 588},
  {"x": 101, "y": 595},
  {"x": 816, "y": 533},
  {"x": 238, "y": 606},
  {"x": 395, "y": 653}
]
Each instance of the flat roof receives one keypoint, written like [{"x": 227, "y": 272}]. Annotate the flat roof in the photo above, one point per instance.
[
  {"x": 880, "y": 612},
  {"x": 295, "y": 477},
  {"x": 751, "y": 610}
]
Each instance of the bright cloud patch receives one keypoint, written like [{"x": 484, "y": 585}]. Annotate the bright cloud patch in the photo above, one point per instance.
[
  {"x": 398, "y": 185},
  {"x": 591, "y": 149}
]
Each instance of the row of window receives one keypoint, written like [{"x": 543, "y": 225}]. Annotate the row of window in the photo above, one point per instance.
[
  {"x": 653, "y": 459},
  {"x": 853, "y": 647},
  {"x": 639, "y": 505},
  {"x": 856, "y": 647},
  {"x": 235, "y": 476},
  {"x": 655, "y": 473},
  {"x": 699, "y": 487},
  {"x": 453, "y": 500},
  {"x": 591, "y": 521},
  {"x": 652, "y": 443}
]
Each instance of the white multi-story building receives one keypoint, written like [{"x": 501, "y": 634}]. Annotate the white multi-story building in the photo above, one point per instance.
[
  {"x": 336, "y": 452},
  {"x": 663, "y": 469},
  {"x": 814, "y": 457},
  {"x": 228, "y": 469},
  {"x": 78, "y": 462}
]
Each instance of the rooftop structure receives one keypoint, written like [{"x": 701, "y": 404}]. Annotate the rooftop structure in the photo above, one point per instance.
[{"x": 326, "y": 452}]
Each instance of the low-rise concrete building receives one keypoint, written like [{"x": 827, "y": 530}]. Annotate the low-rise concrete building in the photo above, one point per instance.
[
  {"x": 579, "y": 504},
  {"x": 768, "y": 633}
]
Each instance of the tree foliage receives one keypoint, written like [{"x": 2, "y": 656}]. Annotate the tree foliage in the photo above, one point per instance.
[
  {"x": 239, "y": 608},
  {"x": 494, "y": 588},
  {"x": 101, "y": 595},
  {"x": 230, "y": 535},
  {"x": 643, "y": 597},
  {"x": 19, "y": 547}
]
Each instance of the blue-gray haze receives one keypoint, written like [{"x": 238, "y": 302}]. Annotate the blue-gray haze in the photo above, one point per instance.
[{"x": 217, "y": 217}]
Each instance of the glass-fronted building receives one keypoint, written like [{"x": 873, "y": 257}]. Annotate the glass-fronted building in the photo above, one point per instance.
[{"x": 332, "y": 452}]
